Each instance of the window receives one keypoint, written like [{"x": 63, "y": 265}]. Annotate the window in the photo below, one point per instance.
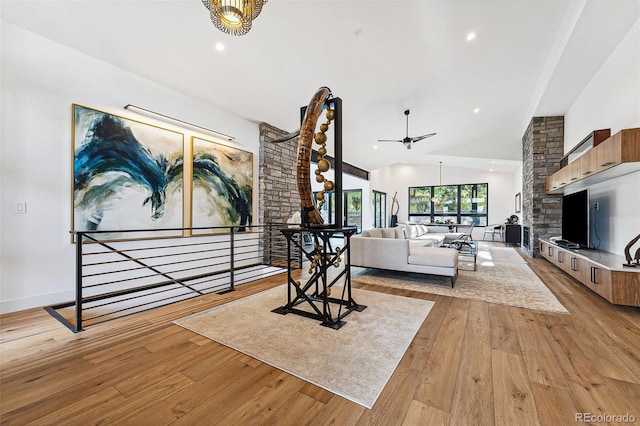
[
  {"x": 379, "y": 209},
  {"x": 420, "y": 200},
  {"x": 463, "y": 204},
  {"x": 351, "y": 208}
]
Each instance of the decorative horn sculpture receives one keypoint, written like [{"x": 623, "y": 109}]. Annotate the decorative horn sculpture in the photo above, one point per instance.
[
  {"x": 627, "y": 253},
  {"x": 395, "y": 208},
  {"x": 311, "y": 212},
  {"x": 304, "y": 156},
  {"x": 395, "y": 205}
]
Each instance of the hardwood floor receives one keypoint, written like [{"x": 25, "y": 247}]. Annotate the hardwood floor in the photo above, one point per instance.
[{"x": 470, "y": 363}]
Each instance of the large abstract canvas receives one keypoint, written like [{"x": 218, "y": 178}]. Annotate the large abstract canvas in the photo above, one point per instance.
[
  {"x": 222, "y": 185},
  {"x": 126, "y": 174}
]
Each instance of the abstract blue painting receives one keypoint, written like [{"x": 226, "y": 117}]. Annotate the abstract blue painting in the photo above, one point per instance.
[
  {"x": 126, "y": 174},
  {"x": 222, "y": 185}
]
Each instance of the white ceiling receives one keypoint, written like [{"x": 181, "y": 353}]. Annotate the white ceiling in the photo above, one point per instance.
[{"x": 529, "y": 58}]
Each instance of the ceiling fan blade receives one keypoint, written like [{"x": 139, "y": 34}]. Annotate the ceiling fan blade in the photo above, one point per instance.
[
  {"x": 419, "y": 138},
  {"x": 389, "y": 140}
]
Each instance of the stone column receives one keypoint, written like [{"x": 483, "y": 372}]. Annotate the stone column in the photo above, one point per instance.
[
  {"x": 278, "y": 198},
  {"x": 542, "y": 150}
]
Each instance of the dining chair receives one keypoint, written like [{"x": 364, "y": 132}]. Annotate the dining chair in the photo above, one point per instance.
[{"x": 493, "y": 230}]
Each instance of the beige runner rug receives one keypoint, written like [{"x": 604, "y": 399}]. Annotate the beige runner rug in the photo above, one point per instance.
[
  {"x": 502, "y": 277},
  {"x": 354, "y": 362}
]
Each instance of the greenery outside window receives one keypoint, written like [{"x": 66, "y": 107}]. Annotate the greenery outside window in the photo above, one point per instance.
[
  {"x": 464, "y": 204},
  {"x": 420, "y": 200}
]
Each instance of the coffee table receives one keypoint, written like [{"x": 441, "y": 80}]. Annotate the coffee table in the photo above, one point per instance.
[{"x": 467, "y": 252}]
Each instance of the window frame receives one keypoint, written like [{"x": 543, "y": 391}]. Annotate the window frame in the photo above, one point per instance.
[
  {"x": 431, "y": 215},
  {"x": 379, "y": 209}
]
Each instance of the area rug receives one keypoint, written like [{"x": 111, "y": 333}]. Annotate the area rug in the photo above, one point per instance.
[
  {"x": 354, "y": 362},
  {"x": 502, "y": 277}
]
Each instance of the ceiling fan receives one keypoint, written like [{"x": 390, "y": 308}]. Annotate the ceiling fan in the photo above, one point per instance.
[{"x": 407, "y": 141}]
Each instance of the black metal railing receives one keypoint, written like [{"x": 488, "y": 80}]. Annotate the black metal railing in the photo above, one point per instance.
[{"x": 119, "y": 273}]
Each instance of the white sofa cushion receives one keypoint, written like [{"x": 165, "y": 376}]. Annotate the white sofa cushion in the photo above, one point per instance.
[
  {"x": 384, "y": 253},
  {"x": 433, "y": 256},
  {"x": 374, "y": 232},
  {"x": 388, "y": 233},
  {"x": 396, "y": 233}
]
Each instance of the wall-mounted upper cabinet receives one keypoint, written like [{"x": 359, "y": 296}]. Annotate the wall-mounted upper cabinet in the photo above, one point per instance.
[{"x": 616, "y": 156}]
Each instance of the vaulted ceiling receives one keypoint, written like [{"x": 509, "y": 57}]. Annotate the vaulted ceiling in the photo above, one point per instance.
[{"x": 528, "y": 58}]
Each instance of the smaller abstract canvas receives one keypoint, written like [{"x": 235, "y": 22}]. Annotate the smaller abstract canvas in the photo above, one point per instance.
[{"x": 222, "y": 185}]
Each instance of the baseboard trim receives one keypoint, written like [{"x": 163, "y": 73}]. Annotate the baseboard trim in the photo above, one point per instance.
[{"x": 38, "y": 301}]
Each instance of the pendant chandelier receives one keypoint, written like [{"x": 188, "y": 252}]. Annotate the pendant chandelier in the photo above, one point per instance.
[{"x": 234, "y": 16}]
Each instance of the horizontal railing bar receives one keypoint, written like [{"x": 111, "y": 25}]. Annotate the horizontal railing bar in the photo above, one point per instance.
[
  {"x": 202, "y": 228},
  {"x": 136, "y": 306},
  {"x": 225, "y": 243},
  {"x": 262, "y": 275},
  {"x": 116, "y": 293},
  {"x": 158, "y": 256},
  {"x": 129, "y": 250},
  {"x": 164, "y": 273},
  {"x": 155, "y": 266},
  {"x": 127, "y": 299}
]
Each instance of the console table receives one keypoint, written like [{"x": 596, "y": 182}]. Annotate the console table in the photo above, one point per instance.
[
  {"x": 600, "y": 271},
  {"x": 316, "y": 292}
]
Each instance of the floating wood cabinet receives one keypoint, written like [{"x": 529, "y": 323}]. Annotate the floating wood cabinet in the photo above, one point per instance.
[
  {"x": 587, "y": 164},
  {"x": 616, "y": 156},
  {"x": 601, "y": 272}
]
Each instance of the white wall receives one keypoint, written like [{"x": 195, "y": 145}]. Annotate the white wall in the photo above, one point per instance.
[
  {"x": 399, "y": 177},
  {"x": 517, "y": 184},
  {"x": 612, "y": 100},
  {"x": 40, "y": 81}
]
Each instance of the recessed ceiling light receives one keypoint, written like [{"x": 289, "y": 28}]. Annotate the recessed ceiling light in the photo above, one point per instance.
[
  {"x": 493, "y": 162},
  {"x": 490, "y": 170},
  {"x": 476, "y": 110},
  {"x": 375, "y": 147},
  {"x": 471, "y": 36},
  {"x": 219, "y": 46}
]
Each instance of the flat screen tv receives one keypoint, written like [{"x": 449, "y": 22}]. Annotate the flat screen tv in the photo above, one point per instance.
[{"x": 575, "y": 218}]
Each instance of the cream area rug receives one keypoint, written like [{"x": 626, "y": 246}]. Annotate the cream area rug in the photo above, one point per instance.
[
  {"x": 354, "y": 362},
  {"x": 502, "y": 277}
]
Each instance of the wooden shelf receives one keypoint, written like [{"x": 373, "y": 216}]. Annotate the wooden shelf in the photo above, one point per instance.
[
  {"x": 617, "y": 156},
  {"x": 600, "y": 271}
]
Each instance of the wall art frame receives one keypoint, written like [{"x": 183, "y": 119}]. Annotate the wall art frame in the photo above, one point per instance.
[
  {"x": 221, "y": 186},
  {"x": 126, "y": 174}
]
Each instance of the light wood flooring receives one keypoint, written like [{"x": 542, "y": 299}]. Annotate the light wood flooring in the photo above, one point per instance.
[{"x": 471, "y": 363}]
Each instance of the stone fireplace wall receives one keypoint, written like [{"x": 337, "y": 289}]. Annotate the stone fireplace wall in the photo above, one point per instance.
[{"x": 542, "y": 150}]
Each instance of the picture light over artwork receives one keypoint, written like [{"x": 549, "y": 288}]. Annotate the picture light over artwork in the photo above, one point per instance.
[{"x": 160, "y": 116}]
